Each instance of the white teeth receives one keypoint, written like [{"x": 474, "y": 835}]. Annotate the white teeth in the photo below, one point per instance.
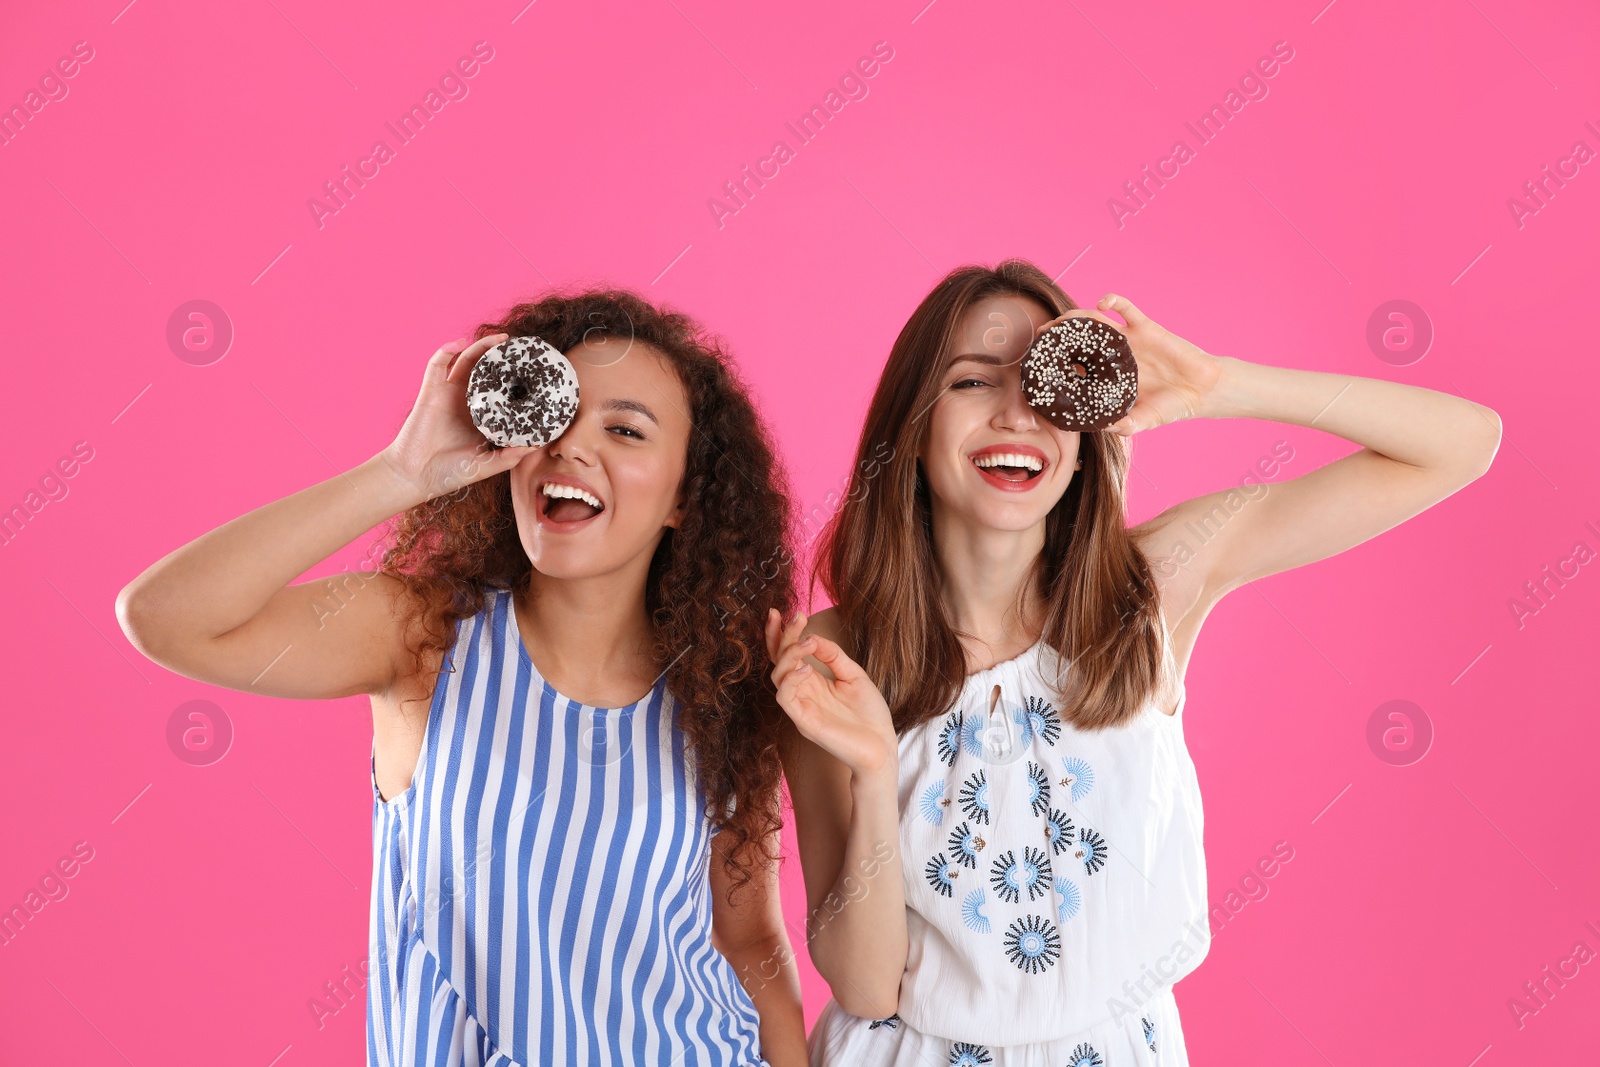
[
  {"x": 572, "y": 491},
  {"x": 1009, "y": 459}
]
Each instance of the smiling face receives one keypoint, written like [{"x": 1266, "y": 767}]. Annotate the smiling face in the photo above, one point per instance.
[
  {"x": 989, "y": 458},
  {"x": 600, "y": 496}
]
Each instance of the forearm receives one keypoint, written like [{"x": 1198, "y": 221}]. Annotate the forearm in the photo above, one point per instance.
[
  {"x": 767, "y": 970},
  {"x": 222, "y": 579},
  {"x": 857, "y": 936},
  {"x": 1421, "y": 427}
]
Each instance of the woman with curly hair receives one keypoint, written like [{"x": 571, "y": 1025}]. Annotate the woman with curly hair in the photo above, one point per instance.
[
  {"x": 576, "y": 786},
  {"x": 989, "y": 741}
]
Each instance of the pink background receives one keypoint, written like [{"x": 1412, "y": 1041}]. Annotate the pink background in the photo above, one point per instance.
[{"x": 221, "y": 898}]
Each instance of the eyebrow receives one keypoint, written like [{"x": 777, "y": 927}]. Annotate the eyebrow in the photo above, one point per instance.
[
  {"x": 984, "y": 358},
  {"x": 634, "y": 406}
]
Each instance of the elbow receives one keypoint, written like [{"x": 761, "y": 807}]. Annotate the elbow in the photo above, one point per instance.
[
  {"x": 866, "y": 1006},
  {"x": 1487, "y": 442},
  {"x": 862, "y": 995},
  {"x": 139, "y": 622}
]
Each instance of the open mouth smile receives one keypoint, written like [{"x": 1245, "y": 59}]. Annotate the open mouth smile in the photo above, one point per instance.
[
  {"x": 1011, "y": 468},
  {"x": 566, "y": 505}
]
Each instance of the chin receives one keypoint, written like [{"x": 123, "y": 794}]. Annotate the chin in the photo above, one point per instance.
[
  {"x": 565, "y": 564},
  {"x": 1009, "y": 520}
]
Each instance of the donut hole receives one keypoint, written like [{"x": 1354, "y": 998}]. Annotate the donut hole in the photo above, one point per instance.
[
  {"x": 1079, "y": 369},
  {"x": 518, "y": 392}
]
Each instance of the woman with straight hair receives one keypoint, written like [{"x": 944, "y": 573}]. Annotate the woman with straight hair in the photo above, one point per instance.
[
  {"x": 575, "y": 779},
  {"x": 998, "y": 819}
]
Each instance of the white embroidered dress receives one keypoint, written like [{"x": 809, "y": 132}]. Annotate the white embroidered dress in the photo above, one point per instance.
[{"x": 1055, "y": 885}]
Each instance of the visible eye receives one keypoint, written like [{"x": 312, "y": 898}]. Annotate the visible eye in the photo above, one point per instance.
[
  {"x": 626, "y": 429},
  {"x": 967, "y": 381}
]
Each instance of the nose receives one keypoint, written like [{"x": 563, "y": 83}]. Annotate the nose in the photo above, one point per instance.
[
  {"x": 1015, "y": 412},
  {"x": 576, "y": 441}
]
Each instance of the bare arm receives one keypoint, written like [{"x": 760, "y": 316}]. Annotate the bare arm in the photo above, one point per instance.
[
  {"x": 750, "y": 933},
  {"x": 842, "y": 765},
  {"x": 220, "y": 608},
  {"x": 1418, "y": 447}
]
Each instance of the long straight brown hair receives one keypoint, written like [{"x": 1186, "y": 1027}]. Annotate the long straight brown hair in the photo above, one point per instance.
[{"x": 876, "y": 560}]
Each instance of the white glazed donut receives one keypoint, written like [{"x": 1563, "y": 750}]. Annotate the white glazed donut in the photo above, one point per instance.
[{"x": 522, "y": 392}]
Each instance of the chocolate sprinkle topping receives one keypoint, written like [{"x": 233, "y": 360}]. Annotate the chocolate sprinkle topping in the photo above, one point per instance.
[{"x": 522, "y": 392}]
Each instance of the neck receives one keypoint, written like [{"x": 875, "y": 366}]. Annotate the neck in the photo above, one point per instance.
[
  {"x": 985, "y": 584},
  {"x": 589, "y": 637}
]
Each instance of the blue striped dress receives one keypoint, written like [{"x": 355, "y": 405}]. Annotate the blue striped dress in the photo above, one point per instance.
[{"x": 539, "y": 891}]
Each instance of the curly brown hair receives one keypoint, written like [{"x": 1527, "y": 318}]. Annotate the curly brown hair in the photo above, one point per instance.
[{"x": 710, "y": 581}]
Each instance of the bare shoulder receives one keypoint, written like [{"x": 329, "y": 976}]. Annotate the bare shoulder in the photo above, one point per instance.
[{"x": 827, "y": 623}]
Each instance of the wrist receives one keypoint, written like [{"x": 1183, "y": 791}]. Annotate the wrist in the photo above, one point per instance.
[
  {"x": 1230, "y": 397},
  {"x": 398, "y": 491},
  {"x": 878, "y": 782}
]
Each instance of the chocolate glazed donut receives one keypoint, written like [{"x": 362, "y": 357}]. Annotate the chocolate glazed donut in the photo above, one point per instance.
[
  {"x": 522, "y": 392},
  {"x": 1080, "y": 374}
]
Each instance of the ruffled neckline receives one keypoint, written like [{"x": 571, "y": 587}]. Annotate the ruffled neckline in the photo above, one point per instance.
[{"x": 1027, "y": 657}]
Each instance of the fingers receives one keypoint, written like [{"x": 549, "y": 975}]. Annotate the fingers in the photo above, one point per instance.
[
  {"x": 802, "y": 695},
  {"x": 789, "y": 634},
  {"x": 776, "y": 630},
  {"x": 1132, "y": 422},
  {"x": 503, "y": 459},
  {"x": 797, "y": 697},
  {"x": 462, "y": 367},
  {"x": 791, "y": 658},
  {"x": 770, "y": 630},
  {"x": 788, "y": 647},
  {"x": 1120, "y": 304},
  {"x": 438, "y": 367},
  {"x": 830, "y": 655}
]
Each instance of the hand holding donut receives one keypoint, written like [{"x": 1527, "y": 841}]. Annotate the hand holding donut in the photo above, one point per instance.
[
  {"x": 846, "y": 716},
  {"x": 438, "y": 450},
  {"x": 1175, "y": 375}
]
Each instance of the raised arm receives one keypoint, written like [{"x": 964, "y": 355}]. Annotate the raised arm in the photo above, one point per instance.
[
  {"x": 1418, "y": 447},
  {"x": 221, "y": 609},
  {"x": 842, "y": 764}
]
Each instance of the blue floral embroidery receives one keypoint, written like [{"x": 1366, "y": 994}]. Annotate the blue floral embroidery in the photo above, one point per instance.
[
  {"x": 975, "y": 797},
  {"x": 1038, "y": 719},
  {"x": 1058, "y": 830},
  {"x": 1010, "y": 877},
  {"x": 1085, "y": 1056},
  {"x": 1038, "y": 789},
  {"x": 1067, "y": 890},
  {"x": 1078, "y": 777},
  {"x": 1149, "y": 1032},
  {"x": 963, "y": 1054},
  {"x": 1092, "y": 850},
  {"x": 1033, "y": 944},
  {"x": 950, "y": 739},
  {"x": 941, "y": 874},
  {"x": 933, "y": 803},
  {"x": 972, "y": 727},
  {"x": 892, "y": 1022},
  {"x": 965, "y": 844},
  {"x": 972, "y": 912}
]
